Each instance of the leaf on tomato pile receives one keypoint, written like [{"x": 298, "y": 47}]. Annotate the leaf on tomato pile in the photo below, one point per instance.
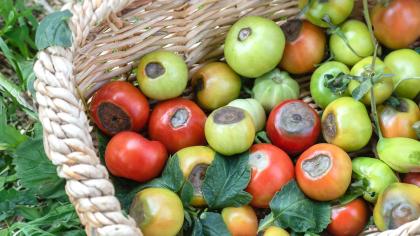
[
  {"x": 213, "y": 224},
  {"x": 187, "y": 192},
  {"x": 225, "y": 181},
  {"x": 292, "y": 209},
  {"x": 53, "y": 30},
  {"x": 172, "y": 177},
  {"x": 337, "y": 83}
]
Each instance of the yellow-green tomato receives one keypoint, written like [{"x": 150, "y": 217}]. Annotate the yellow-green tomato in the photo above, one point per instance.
[
  {"x": 336, "y": 10},
  {"x": 401, "y": 154},
  {"x": 398, "y": 204},
  {"x": 230, "y": 130},
  {"x": 345, "y": 123},
  {"x": 254, "y": 45},
  {"x": 157, "y": 211},
  {"x": 358, "y": 45},
  {"x": 240, "y": 221},
  {"x": 382, "y": 88},
  {"x": 275, "y": 231},
  {"x": 376, "y": 173},
  {"x": 194, "y": 162},
  {"x": 162, "y": 75},
  {"x": 255, "y": 110},
  {"x": 215, "y": 85},
  {"x": 405, "y": 65}
]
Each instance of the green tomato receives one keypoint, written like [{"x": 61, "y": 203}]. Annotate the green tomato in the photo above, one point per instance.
[
  {"x": 162, "y": 75},
  {"x": 229, "y": 130},
  {"x": 382, "y": 88},
  {"x": 253, "y": 46},
  {"x": 377, "y": 174},
  {"x": 337, "y": 10},
  {"x": 153, "y": 208},
  {"x": 405, "y": 65},
  {"x": 401, "y": 154},
  {"x": 275, "y": 87},
  {"x": 254, "y": 109},
  {"x": 346, "y": 123},
  {"x": 358, "y": 38},
  {"x": 320, "y": 93}
]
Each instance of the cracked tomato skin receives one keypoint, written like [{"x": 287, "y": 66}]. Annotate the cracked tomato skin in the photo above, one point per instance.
[
  {"x": 271, "y": 169},
  {"x": 349, "y": 219},
  {"x": 240, "y": 221},
  {"x": 177, "y": 123}
]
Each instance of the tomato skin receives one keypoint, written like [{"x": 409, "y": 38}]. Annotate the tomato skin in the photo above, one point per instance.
[
  {"x": 412, "y": 178},
  {"x": 126, "y": 97},
  {"x": 332, "y": 183},
  {"x": 275, "y": 231},
  {"x": 337, "y": 10},
  {"x": 176, "y": 137},
  {"x": 310, "y": 41},
  {"x": 254, "y": 108},
  {"x": 398, "y": 122},
  {"x": 128, "y": 152},
  {"x": 271, "y": 169},
  {"x": 397, "y": 25},
  {"x": 283, "y": 131},
  {"x": 349, "y": 219},
  {"x": 401, "y": 154},
  {"x": 240, "y": 221}
]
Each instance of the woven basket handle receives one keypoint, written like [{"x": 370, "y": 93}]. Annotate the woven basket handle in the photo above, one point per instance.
[{"x": 67, "y": 141}]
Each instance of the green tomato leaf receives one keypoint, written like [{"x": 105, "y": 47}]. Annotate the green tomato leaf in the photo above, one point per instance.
[
  {"x": 225, "y": 181},
  {"x": 213, "y": 224},
  {"x": 361, "y": 90},
  {"x": 10, "y": 137},
  {"x": 337, "y": 83},
  {"x": 53, "y": 30},
  {"x": 261, "y": 137},
  {"x": 266, "y": 222},
  {"x": 187, "y": 193},
  {"x": 198, "y": 228},
  {"x": 292, "y": 209}
]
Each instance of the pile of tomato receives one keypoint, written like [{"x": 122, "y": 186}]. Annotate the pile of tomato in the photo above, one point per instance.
[{"x": 247, "y": 106}]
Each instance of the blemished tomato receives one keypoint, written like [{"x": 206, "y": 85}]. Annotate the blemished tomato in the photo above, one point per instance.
[
  {"x": 162, "y": 75},
  {"x": 255, "y": 110},
  {"x": 302, "y": 38},
  {"x": 321, "y": 94},
  {"x": 293, "y": 126},
  {"x": 382, "y": 88},
  {"x": 346, "y": 123},
  {"x": 349, "y": 219},
  {"x": 412, "y": 178},
  {"x": 336, "y": 10},
  {"x": 177, "y": 123},
  {"x": 215, "y": 85},
  {"x": 230, "y": 130},
  {"x": 404, "y": 64},
  {"x": 275, "y": 231},
  {"x": 323, "y": 172},
  {"x": 269, "y": 164},
  {"x": 254, "y": 46},
  {"x": 358, "y": 38},
  {"x": 194, "y": 162},
  {"x": 157, "y": 211},
  {"x": 128, "y": 152},
  {"x": 397, "y": 25},
  {"x": 398, "y": 121},
  {"x": 119, "y": 106},
  {"x": 240, "y": 221}
]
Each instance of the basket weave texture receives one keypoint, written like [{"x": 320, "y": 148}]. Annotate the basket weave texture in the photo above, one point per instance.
[{"x": 109, "y": 36}]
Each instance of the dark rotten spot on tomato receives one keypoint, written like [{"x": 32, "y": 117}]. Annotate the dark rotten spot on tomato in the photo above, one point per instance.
[
  {"x": 228, "y": 115},
  {"x": 244, "y": 34},
  {"x": 329, "y": 127},
  {"x": 317, "y": 165},
  {"x": 401, "y": 213},
  {"x": 180, "y": 117},
  {"x": 154, "y": 70},
  {"x": 292, "y": 29},
  {"x": 295, "y": 118},
  {"x": 196, "y": 177},
  {"x": 113, "y": 118}
]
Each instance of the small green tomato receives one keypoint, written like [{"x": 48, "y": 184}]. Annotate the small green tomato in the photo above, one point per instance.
[{"x": 254, "y": 108}]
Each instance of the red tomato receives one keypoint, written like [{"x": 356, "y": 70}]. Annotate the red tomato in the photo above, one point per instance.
[
  {"x": 302, "y": 38},
  {"x": 323, "y": 172},
  {"x": 119, "y": 106},
  {"x": 293, "y": 126},
  {"x": 177, "y": 123},
  {"x": 130, "y": 155},
  {"x": 349, "y": 219},
  {"x": 412, "y": 178},
  {"x": 398, "y": 24},
  {"x": 271, "y": 168}
]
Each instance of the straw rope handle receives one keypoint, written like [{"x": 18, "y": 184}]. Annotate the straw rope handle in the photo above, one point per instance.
[{"x": 67, "y": 141}]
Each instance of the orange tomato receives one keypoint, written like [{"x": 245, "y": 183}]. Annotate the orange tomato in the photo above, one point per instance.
[{"x": 240, "y": 221}]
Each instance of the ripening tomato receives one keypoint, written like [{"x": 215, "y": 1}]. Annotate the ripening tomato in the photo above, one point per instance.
[
  {"x": 119, "y": 106},
  {"x": 412, "y": 178},
  {"x": 302, "y": 38},
  {"x": 349, "y": 219},
  {"x": 269, "y": 164},
  {"x": 397, "y": 24},
  {"x": 240, "y": 221},
  {"x": 177, "y": 123},
  {"x": 398, "y": 121},
  {"x": 130, "y": 155},
  {"x": 336, "y": 10},
  {"x": 275, "y": 231},
  {"x": 293, "y": 126},
  {"x": 323, "y": 172}
]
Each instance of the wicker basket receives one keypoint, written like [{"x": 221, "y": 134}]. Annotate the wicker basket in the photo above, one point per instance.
[{"x": 109, "y": 36}]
